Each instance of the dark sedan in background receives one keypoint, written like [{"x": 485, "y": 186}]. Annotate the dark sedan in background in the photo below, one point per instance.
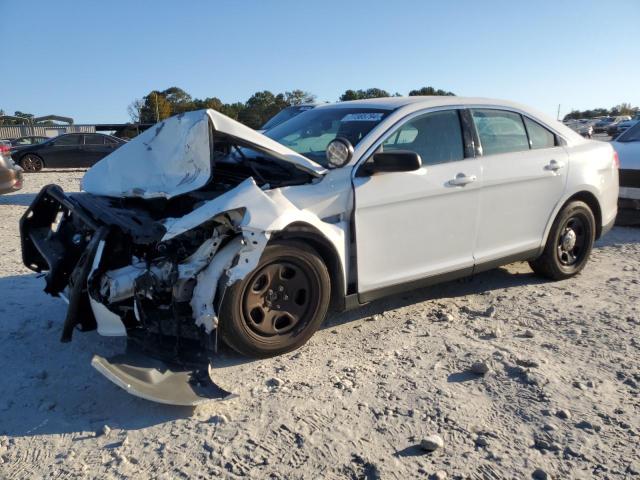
[{"x": 79, "y": 150}]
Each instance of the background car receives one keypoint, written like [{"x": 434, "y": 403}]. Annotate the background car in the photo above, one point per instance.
[
  {"x": 10, "y": 174},
  {"x": 584, "y": 127},
  {"x": 617, "y": 128},
  {"x": 70, "y": 150},
  {"x": 286, "y": 114},
  {"x": 28, "y": 140},
  {"x": 601, "y": 125},
  {"x": 627, "y": 146}
]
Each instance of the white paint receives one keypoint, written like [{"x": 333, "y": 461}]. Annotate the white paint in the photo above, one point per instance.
[
  {"x": 108, "y": 323},
  {"x": 168, "y": 159},
  {"x": 174, "y": 157}
]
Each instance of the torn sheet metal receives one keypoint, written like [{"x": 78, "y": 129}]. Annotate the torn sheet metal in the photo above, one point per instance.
[
  {"x": 264, "y": 213},
  {"x": 175, "y": 157},
  {"x": 204, "y": 292}
]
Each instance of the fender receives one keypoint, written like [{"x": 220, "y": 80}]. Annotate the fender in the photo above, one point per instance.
[{"x": 581, "y": 189}]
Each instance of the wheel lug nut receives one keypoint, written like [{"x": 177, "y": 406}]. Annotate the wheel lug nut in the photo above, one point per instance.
[
  {"x": 281, "y": 288},
  {"x": 285, "y": 297}
]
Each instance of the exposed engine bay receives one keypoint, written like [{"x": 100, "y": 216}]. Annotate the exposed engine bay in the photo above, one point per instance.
[{"x": 152, "y": 265}]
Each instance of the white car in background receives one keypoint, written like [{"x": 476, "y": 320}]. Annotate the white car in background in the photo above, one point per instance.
[
  {"x": 202, "y": 229},
  {"x": 627, "y": 146}
]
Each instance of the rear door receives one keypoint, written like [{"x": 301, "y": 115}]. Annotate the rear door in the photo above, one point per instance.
[
  {"x": 64, "y": 151},
  {"x": 413, "y": 225},
  {"x": 94, "y": 149},
  {"x": 524, "y": 171}
]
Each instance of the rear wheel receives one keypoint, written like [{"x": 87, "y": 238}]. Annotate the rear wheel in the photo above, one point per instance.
[
  {"x": 569, "y": 243},
  {"x": 279, "y": 306},
  {"x": 31, "y": 163}
]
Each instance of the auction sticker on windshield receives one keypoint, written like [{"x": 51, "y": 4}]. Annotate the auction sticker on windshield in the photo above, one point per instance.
[{"x": 363, "y": 117}]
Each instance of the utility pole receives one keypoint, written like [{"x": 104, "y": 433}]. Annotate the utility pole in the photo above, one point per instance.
[
  {"x": 156, "y": 102},
  {"x": 558, "y": 116}
]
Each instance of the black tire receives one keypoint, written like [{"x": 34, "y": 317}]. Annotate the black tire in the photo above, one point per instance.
[
  {"x": 31, "y": 163},
  {"x": 575, "y": 225},
  {"x": 278, "y": 306}
]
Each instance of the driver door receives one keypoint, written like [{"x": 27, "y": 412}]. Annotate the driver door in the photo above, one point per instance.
[{"x": 418, "y": 226}]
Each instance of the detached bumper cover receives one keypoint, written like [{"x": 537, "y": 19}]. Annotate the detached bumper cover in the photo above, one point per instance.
[{"x": 159, "y": 382}]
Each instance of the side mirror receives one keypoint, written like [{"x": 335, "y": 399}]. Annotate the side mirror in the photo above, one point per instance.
[{"x": 394, "y": 161}]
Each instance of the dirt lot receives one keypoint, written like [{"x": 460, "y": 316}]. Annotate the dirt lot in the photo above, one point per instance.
[{"x": 562, "y": 391}]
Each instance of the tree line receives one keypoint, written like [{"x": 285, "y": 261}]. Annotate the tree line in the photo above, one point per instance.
[
  {"x": 260, "y": 107},
  {"x": 622, "y": 109}
]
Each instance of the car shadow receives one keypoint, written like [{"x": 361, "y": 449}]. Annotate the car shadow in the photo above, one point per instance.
[{"x": 498, "y": 278}]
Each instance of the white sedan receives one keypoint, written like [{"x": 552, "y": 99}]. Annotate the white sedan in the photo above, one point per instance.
[
  {"x": 627, "y": 145},
  {"x": 202, "y": 229}
]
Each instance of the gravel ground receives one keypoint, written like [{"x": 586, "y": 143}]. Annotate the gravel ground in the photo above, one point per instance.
[{"x": 500, "y": 376}]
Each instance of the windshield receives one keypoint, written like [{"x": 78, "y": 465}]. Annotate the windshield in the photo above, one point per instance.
[
  {"x": 310, "y": 132},
  {"x": 632, "y": 134},
  {"x": 285, "y": 115}
]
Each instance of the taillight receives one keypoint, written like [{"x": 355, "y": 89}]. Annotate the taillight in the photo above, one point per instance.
[
  {"x": 5, "y": 149},
  {"x": 616, "y": 160}
]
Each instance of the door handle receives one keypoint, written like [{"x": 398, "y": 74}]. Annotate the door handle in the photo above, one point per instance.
[
  {"x": 554, "y": 166},
  {"x": 461, "y": 180}
]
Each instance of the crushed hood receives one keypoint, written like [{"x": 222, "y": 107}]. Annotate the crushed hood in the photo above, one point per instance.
[{"x": 175, "y": 157}]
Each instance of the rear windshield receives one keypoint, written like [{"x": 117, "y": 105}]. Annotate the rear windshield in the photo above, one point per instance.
[
  {"x": 631, "y": 135},
  {"x": 310, "y": 132}
]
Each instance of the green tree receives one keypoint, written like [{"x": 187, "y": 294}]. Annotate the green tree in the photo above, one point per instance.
[
  {"x": 232, "y": 110},
  {"x": 298, "y": 97},
  {"x": 260, "y": 107},
  {"x": 430, "y": 91},
  {"x": 363, "y": 94},
  {"x": 155, "y": 107},
  {"x": 179, "y": 100}
]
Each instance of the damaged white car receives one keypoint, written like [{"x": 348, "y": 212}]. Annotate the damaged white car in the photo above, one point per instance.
[{"x": 201, "y": 229}]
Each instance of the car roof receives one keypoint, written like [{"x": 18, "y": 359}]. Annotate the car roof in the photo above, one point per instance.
[{"x": 393, "y": 103}]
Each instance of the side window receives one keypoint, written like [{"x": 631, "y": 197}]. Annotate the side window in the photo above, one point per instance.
[
  {"x": 436, "y": 137},
  {"x": 500, "y": 131},
  {"x": 93, "y": 140},
  {"x": 539, "y": 137},
  {"x": 67, "y": 140},
  {"x": 110, "y": 141}
]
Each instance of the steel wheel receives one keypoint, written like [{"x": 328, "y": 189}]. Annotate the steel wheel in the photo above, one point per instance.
[
  {"x": 278, "y": 297},
  {"x": 31, "y": 163},
  {"x": 571, "y": 241},
  {"x": 278, "y": 306}
]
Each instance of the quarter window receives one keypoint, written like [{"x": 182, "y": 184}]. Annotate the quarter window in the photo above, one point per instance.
[
  {"x": 435, "y": 136},
  {"x": 500, "y": 131},
  {"x": 93, "y": 140},
  {"x": 539, "y": 137}
]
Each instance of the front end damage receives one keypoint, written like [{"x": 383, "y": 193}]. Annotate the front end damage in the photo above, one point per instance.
[{"x": 152, "y": 264}]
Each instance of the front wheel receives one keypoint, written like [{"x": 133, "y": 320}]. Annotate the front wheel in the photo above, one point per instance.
[
  {"x": 279, "y": 305},
  {"x": 569, "y": 243}
]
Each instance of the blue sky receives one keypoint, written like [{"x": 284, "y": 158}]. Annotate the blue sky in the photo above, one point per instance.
[{"x": 90, "y": 59}]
